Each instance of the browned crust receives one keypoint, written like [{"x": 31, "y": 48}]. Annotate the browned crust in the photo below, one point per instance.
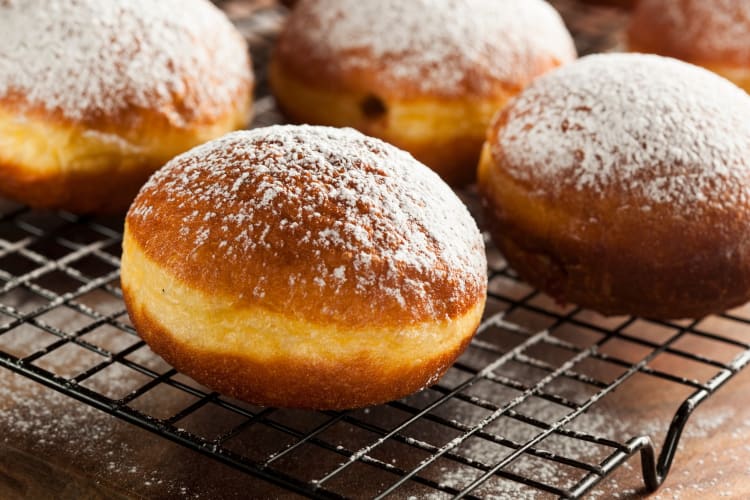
[
  {"x": 108, "y": 190},
  {"x": 292, "y": 53},
  {"x": 111, "y": 185},
  {"x": 112, "y": 182},
  {"x": 629, "y": 4},
  {"x": 454, "y": 160},
  {"x": 128, "y": 121},
  {"x": 742, "y": 80},
  {"x": 293, "y": 383},
  {"x": 592, "y": 251},
  {"x": 303, "y": 58},
  {"x": 650, "y": 31},
  {"x": 208, "y": 267}
]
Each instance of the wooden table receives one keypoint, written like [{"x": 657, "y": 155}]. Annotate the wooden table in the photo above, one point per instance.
[{"x": 55, "y": 447}]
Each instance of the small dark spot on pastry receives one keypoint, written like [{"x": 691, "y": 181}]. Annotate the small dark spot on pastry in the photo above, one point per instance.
[{"x": 373, "y": 107}]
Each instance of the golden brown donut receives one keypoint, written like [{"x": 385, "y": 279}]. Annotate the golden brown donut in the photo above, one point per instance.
[
  {"x": 714, "y": 34},
  {"x": 627, "y": 4},
  {"x": 303, "y": 267},
  {"x": 97, "y": 94},
  {"x": 426, "y": 76},
  {"x": 622, "y": 183}
]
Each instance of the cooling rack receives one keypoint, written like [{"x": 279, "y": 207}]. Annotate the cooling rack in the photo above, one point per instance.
[{"x": 531, "y": 410}]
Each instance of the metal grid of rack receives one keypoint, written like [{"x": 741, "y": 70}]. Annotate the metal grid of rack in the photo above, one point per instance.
[
  {"x": 511, "y": 398},
  {"x": 519, "y": 414}
]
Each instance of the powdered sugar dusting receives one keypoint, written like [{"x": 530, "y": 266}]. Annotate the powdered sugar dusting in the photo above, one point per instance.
[
  {"x": 87, "y": 58},
  {"x": 437, "y": 44},
  {"x": 365, "y": 216},
  {"x": 650, "y": 127}
]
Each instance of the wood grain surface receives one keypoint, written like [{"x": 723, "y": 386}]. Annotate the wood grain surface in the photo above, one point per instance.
[
  {"x": 55, "y": 447},
  {"x": 713, "y": 460}
]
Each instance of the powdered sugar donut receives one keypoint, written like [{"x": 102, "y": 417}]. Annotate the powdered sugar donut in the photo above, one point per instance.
[
  {"x": 424, "y": 75},
  {"x": 303, "y": 266},
  {"x": 715, "y": 34},
  {"x": 622, "y": 183},
  {"x": 97, "y": 94}
]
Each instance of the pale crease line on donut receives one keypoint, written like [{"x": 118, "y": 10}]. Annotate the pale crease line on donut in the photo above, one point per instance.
[
  {"x": 213, "y": 323},
  {"x": 418, "y": 120},
  {"x": 47, "y": 146}
]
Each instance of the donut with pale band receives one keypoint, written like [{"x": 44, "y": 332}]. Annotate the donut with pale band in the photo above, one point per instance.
[
  {"x": 426, "y": 76},
  {"x": 305, "y": 267},
  {"x": 715, "y": 34},
  {"x": 95, "y": 95},
  {"x": 622, "y": 183}
]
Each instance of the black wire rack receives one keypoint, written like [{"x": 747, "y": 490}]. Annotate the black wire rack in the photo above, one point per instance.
[{"x": 526, "y": 412}]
